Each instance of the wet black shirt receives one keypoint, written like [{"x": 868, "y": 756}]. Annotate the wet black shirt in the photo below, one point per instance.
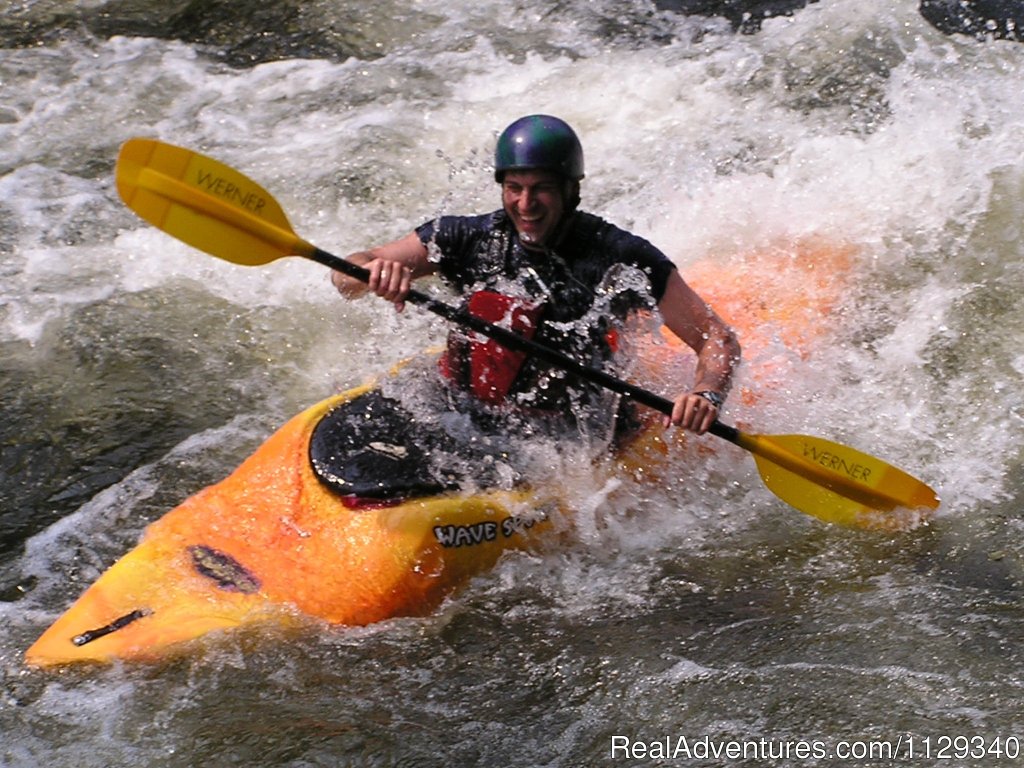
[
  {"x": 591, "y": 280},
  {"x": 475, "y": 251}
]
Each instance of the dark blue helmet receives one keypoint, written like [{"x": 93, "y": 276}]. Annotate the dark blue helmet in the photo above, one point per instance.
[{"x": 541, "y": 142}]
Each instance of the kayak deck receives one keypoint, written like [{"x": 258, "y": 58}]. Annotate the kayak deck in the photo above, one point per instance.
[{"x": 272, "y": 540}]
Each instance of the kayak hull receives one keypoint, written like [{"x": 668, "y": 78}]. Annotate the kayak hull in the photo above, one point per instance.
[{"x": 273, "y": 543}]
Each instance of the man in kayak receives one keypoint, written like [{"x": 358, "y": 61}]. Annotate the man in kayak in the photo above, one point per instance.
[{"x": 562, "y": 276}]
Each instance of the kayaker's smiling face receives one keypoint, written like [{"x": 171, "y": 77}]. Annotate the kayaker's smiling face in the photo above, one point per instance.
[{"x": 535, "y": 203}]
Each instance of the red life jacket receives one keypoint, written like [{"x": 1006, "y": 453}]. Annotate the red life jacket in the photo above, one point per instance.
[{"x": 482, "y": 366}]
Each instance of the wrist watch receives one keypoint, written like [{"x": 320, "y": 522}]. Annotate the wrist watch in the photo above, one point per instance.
[{"x": 712, "y": 397}]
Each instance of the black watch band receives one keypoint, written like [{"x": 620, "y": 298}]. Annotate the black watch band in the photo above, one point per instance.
[{"x": 712, "y": 397}]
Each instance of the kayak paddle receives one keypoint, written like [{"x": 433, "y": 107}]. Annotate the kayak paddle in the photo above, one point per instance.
[{"x": 216, "y": 209}]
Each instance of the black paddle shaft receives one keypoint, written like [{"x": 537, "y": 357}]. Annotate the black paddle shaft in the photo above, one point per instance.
[{"x": 518, "y": 343}]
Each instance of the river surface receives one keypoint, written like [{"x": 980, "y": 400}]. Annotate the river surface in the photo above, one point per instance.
[{"x": 698, "y": 609}]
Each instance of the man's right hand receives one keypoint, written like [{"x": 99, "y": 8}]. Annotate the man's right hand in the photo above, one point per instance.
[
  {"x": 392, "y": 269},
  {"x": 390, "y": 280}
]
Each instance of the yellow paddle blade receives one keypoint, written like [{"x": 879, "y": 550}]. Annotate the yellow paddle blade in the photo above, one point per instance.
[
  {"x": 204, "y": 203},
  {"x": 839, "y": 484}
]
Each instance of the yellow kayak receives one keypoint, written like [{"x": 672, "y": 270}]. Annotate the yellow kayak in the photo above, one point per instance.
[{"x": 272, "y": 542}]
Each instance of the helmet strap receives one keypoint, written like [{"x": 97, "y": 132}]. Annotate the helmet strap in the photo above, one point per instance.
[{"x": 571, "y": 195}]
